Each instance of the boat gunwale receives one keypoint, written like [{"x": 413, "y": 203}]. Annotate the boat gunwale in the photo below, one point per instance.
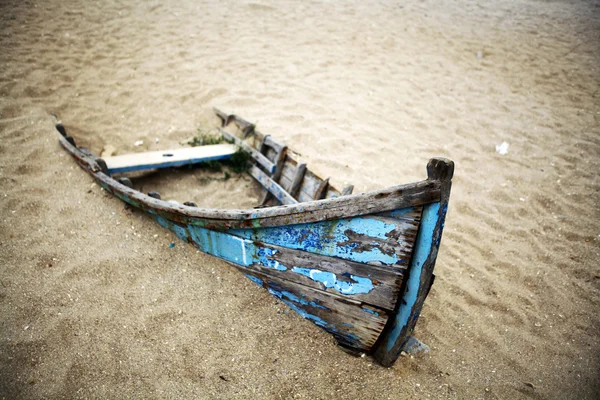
[{"x": 381, "y": 200}]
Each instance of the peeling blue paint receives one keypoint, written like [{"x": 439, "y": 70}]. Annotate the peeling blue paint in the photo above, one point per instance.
[
  {"x": 255, "y": 280},
  {"x": 263, "y": 253},
  {"x": 328, "y": 238},
  {"x": 367, "y": 310},
  {"x": 244, "y": 252},
  {"x": 224, "y": 246},
  {"x": 329, "y": 279},
  {"x": 422, "y": 249},
  {"x": 311, "y": 317}
]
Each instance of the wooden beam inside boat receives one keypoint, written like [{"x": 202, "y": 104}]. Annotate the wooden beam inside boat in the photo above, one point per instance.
[
  {"x": 298, "y": 177},
  {"x": 168, "y": 158},
  {"x": 272, "y": 186},
  {"x": 255, "y": 154}
]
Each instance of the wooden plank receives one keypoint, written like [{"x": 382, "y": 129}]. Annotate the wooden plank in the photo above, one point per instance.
[
  {"x": 285, "y": 183},
  {"x": 321, "y": 190},
  {"x": 85, "y": 161},
  {"x": 310, "y": 185},
  {"x": 296, "y": 181},
  {"x": 366, "y": 239},
  {"x": 272, "y": 186},
  {"x": 377, "y": 286},
  {"x": 278, "y": 159},
  {"x": 407, "y": 214},
  {"x": 353, "y": 322},
  {"x": 331, "y": 193},
  {"x": 274, "y": 144},
  {"x": 271, "y": 154},
  {"x": 255, "y": 154},
  {"x": 347, "y": 190},
  {"x": 401, "y": 325},
  {"x": 355, "y": 282},
  {"x": 168, "y": 158},
  {"x": 246, "y": 127},
  {"x": 396, "y": 197},
  {"x": 289, "y": 168},
  {"x": 349, "y": 322}
]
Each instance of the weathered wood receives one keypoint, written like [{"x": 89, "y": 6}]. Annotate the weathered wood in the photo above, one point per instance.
[
  {"x": 307, "y": 193},
  {"x": 372, "y": 285},
  {"x": 350, "y": 323},
  {"x": 289, "y": 168},
  {"x": 412, "y": 214},
  {"x": 366, "y": 239},
  {"x": 400, "y": 327},
  {"x": 321, "y": 190},
  {"x": 246, "y": 127},
  {"x": 347, "y": 190},
  {"x": 271, "y": 154},
  {"x": 330, "y": 194},
  {"x": 278, "y": 158},
  {"x": 309, "y": 187},
  {"x": 440, "y": 169},
  {"x": 86, "y": 161},
  {"x": 255, "y": 154},
  {"x": 168, "y": 158},
  {"x": 297, "y": 179},
  {"x": 272, "y": 186},
  {"x": 402, "y": 196},
  {"x": 315, "y": 256},
  {"x": 353, "y": 322},
  {"x": 274, "y": 144},
  {"x": 378, "y": 286}
]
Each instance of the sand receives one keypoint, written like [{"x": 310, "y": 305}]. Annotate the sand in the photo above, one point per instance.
[{"x": 95, "y": 304}]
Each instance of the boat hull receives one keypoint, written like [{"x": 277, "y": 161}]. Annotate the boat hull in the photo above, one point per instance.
[{"x": 359, "y": 266}]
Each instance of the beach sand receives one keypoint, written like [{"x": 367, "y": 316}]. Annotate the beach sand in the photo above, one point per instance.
[{"x": 95, "y": 304}]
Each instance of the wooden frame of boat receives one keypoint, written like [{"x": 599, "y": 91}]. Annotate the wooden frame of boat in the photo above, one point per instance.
[{"x": 358, "y": 265}]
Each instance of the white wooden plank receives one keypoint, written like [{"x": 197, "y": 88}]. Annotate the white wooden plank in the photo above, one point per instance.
[{"x": 168, "y": 158}]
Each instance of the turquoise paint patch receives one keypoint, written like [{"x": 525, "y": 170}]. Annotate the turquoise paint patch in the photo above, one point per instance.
[
  {"x": 228, "y": 247},
  {"x": 421, "y": 252},
  {"x": 329, "y": 279},
  {"x": 222, "y": 245},
  {"x": 370, "y": 311},
  {"x": 320, "y": 322},
  {"x": 181, "y": 232},
  {"x": 264, "y": 253},
  {"x": 296, "y": 299},
  {"x": 328, "y": 238},
  {"x": 254, "y": 279}
]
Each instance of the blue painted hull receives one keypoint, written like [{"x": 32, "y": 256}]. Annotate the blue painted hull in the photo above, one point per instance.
[
  {"x": 354, "y": 305},
  {"x": 358, "y": 266}
]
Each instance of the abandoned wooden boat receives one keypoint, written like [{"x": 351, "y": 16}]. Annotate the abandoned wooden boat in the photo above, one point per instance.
[{"x": 358, "y": 265}]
